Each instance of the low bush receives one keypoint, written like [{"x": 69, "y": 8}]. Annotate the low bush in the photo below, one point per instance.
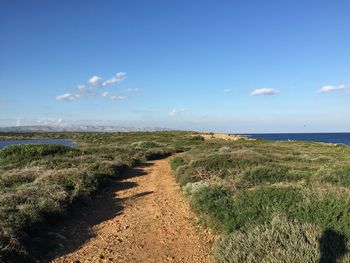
[
  {"x": 157, "y": 153},
  {"x": 184, "y": 174},
  {"x": 16, "y": 178},
  {"x": 221, "y": 165},
  {"x": 177, "y": 162},
  {"x": 26, "y": 153},
  {"x": 339, "y": 176},
  {"x": 191, "y": 188},
  {"x": 145, "y": 144},
  {"x": 329, "y": 212},
  {"x": 37, "y": 150},
  {"x": 228, "y": 211},
  {"x": 105, "y": 168},
  {"x": 197, "y": 138},
  {"x": 282, "y": 241},
  {"x": 268, "y": 174}
]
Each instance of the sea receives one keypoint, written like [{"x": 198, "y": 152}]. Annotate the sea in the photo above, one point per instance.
[
  {"x": 65, "y": 142},
  {"x": 337, "y": 138}
]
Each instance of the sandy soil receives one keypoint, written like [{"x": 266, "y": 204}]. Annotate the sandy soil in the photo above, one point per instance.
[
  {"x": 146, "y": 220},
  {"x": 224, "y": 136}
]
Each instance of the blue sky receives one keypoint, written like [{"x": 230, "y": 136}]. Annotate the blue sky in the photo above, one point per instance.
[{"x": 233, "y": 66}]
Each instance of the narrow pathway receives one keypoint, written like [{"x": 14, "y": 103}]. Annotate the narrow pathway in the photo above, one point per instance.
[{"x": 154, "y": 224}]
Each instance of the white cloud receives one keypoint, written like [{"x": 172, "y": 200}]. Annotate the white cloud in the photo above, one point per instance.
[
  {"x": 95, "y": 80},
  {"x": 68, "y": 97},
  {"x": 81, "y": 88},
  {"x": 264, "y": 91},
  {"x": 119, "y": 77},
  {"x": 227, "y": 90},
  {"x": 176, "y": 111},
  {"x": 115, "y": 97},
  {"x": 112, "y": 97},
  {"x": 329, "y": 88},
  {"x": 129, "y": 90}
]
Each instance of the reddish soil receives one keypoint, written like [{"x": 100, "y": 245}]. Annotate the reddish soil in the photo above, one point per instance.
[{"x": 145, "y": 219}]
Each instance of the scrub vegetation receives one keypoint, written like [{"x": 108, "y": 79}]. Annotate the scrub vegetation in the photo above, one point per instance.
[
  {"x": 39, "y": 182},
  {"x": 270, "y": 201},
  {"x": 266, "y": 201}
]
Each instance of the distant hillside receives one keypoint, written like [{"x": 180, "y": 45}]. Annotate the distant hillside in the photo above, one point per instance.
[{"x": 78, "y": 128}]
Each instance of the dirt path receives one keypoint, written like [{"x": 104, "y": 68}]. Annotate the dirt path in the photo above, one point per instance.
[{"x": 153, "y": 223}]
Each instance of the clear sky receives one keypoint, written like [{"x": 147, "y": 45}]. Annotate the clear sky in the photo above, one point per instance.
[{"x": 233, "y": 66}]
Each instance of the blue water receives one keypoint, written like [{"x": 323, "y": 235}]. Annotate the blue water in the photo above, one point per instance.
[
  {"x": 65, "y": 142},
  {"x": 339, "y": 138}
]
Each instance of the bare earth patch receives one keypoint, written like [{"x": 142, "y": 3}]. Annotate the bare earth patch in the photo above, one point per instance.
[
  {"x": 155, "y": 224},
  {"x": 224, "y": 136}
]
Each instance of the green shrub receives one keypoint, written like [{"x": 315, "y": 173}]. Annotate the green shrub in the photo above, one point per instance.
[
  {"x": 146, "y": 144},
  {"x": 37, "y": 150},
  {"x": 184, "y": 174},
  {"x": 231, "y": 212},
  {"x": 191, "y": 188},
  {"x": 75, "y": 183},
  {"x": 268, "y": 174},
  {"x": 157, "y": 154},
  {"x": 26, "y": 153},
  {"x": 214, "y": 205},
  {"x": 176, "y": 162},
  {"x": 329, "y": 212},
  {"x": 197, "y": 138},
  {"x": 15, "y": 179},
  {"x": 214, "y": 162},
  {"x": 220, "y": 164},
  {"x": 281, "y": 241},
  {"x": 104, "y": 168},
  {"x": 228, "y": 212},
  {"x": 339, "y": 176}
]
